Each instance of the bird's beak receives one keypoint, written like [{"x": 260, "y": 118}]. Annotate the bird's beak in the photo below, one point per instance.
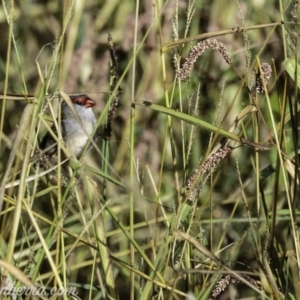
[{"x": 89, "y": 103}]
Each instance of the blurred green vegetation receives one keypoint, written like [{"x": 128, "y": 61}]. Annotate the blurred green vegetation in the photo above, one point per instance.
[{"x": 244, "y": 215}]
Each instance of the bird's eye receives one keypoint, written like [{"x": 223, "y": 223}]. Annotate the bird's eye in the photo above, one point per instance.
[{"x": 80, "y": 103}]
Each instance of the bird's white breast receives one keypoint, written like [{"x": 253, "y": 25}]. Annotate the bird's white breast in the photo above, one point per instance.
[{"x": 75, "y": 134}]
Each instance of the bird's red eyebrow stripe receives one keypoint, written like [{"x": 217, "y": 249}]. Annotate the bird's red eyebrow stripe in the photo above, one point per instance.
[{"x": 89, "y": 103}]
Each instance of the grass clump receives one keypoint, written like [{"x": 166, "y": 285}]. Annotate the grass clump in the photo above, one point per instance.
[{"x": 191, "y": 190}]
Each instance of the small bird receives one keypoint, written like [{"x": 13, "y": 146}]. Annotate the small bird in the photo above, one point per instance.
[{"x": 75, "y": 133}]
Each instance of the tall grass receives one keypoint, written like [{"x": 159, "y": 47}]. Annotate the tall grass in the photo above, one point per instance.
[{"x": 192, "y": 189}]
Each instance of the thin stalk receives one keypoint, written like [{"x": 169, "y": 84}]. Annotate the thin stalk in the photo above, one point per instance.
[{"x": 131, "y": 161}]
